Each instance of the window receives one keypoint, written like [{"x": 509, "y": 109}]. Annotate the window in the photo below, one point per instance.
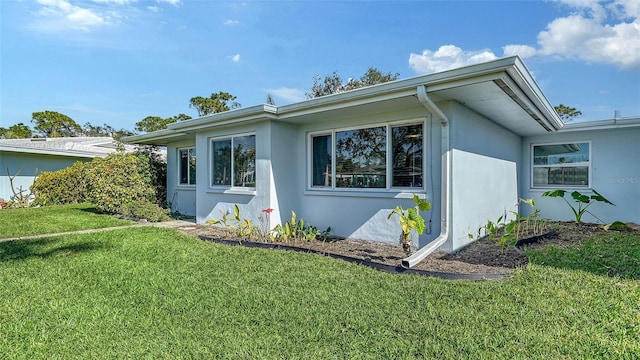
[
  {"x": 187, "y": 166},
  {"x": 234, "y": 161},
  {"x": 368, "y": 157},
  {"x": 561, "y": 165}
]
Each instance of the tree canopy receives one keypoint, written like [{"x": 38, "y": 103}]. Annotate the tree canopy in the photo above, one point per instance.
[
  {"x": 332, "y": 84},
  {"x": 567, "y": 113},
  {"x": 217, "y": 102},
  {"x": 54, "y": 124},
  {"x": 17, "y": 131},
  {"x": 155, "y": 123}
]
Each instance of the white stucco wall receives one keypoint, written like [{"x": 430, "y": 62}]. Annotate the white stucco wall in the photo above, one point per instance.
[
  {"x": 615, "y": 174},
  {"x": 484, "y": 159},
  {"x": 31, "y": 165}
]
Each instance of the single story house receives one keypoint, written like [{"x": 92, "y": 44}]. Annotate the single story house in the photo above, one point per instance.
[
  {"x": 472, "y": 141},
  {"x": 28, "y": 157}
]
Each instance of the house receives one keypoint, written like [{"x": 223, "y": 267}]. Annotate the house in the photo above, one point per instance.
[
  {"x": 464, "y": 139},
  {"x": 28, "y": 157}
]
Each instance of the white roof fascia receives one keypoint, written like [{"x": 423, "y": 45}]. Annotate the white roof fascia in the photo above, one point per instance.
[
  {"x": 27, "y": 150},
  {"x": 253, "y": 112},
  {"x": 630, "y": 122}
]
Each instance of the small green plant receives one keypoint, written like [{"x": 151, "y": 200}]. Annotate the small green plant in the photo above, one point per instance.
[
  {"x": 228, "y": 223},
  {"x": 583, "y": 201},
  {"x": 296, "y": 230},
  {"x": 410, "y": 219}
]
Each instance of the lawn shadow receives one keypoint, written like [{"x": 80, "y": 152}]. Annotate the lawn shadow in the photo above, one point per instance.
[{"x": 43, "y": 248}]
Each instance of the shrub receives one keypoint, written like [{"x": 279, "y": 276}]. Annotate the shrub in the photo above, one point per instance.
[
  {"x": 144, "y": 209},
  {"x": 65, "y": 186},
  {"x": 119, "y": 179}
]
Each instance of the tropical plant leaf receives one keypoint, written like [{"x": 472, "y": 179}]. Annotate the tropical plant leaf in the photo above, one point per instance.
[
  {"x": 580, "y": 197},
  {"x": 598, "y": 197},
  {"x": 554, "y": 193}
]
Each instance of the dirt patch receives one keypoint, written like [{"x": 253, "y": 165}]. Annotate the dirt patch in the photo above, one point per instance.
[{"x": 480, "y": 257}]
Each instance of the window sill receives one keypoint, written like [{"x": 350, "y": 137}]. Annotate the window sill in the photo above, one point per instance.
[
  {"x": 388, "y": 194},
  {"x": 571, "y": 188},
  {"x": 247, "y": 192},
  {"x": 186, "y": 187}
]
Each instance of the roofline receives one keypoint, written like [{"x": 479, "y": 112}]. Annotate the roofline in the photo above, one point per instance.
[
  {"x": 537, "y": 104},
  {"x": 28, "y": 150},
  {"x": 616, "y": 123}
]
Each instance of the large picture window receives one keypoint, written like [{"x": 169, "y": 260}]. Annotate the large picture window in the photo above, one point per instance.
[
  {"x": 187, "y": 170},
  {"x": 368, "y": 157},
  {"x": 234, "y": 161},
  {"x": 561, "y": 165}
]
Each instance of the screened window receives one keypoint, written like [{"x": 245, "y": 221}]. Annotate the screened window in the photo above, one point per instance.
[
  {"x": 558, "y": 165},
  {"x": 187, "y": 171},
  {"x": 234, "y": 161},
  {"x": 368, "y": 157}
]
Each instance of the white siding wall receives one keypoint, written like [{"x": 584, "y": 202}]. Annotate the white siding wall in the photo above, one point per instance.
[
  {"x": 485, "y": 173},
  {"x": 615, "y": 167}
]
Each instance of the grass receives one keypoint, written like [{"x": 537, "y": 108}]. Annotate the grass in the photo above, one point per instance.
[
  {"x": 54, "y": 219},
  {"x": 156, "y": 293}
]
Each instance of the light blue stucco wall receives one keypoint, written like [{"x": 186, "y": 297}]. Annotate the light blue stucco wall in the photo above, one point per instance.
[
  {"x": 31, "y": 165},
  {"x": 485, "y": 159},
  {"x": 182, "y": 198},
  {"x": 615, "y": 174}
]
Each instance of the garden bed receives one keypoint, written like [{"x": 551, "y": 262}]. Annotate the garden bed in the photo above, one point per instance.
[{"x": 481, "y": 257}]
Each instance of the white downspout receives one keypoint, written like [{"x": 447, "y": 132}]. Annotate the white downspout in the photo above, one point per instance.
[{"x": 423, "y": 252}]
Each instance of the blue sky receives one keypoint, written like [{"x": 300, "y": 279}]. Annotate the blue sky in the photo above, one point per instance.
[{"x": 118, "y": 61}]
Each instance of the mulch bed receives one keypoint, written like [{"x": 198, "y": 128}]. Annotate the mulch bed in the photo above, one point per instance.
[{"x": 481, "y": 259}]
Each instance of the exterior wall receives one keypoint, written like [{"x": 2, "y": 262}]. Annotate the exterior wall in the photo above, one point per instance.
[
  {"x": 181, "y": 197},
  {"x": 31, "y": 165},
  {"x": 362, "y": 213},
  {"x": 615, "y": 174},
  {"x": 484, "y": 182}
]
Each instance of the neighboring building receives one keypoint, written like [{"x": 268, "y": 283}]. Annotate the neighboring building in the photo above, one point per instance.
[
  {"x": 28, "y": 157},
  {"x": 463, "y": 139}
]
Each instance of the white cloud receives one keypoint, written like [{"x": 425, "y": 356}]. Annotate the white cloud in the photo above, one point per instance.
[
  {"x": 595, "y": 32},
  {"x": 154, "y": 9},
  {"x": 235, "y": 58},
  {"x": 524, "y": 51},
  {"x": 61, "y": 15},
  {"x": 288, "y": 94},
  {"x": 447, "y": 57},
  {"x": 115, "y": 2},
  {"x": 230, "y": 22},
  {"x": 172, "y": 2}
]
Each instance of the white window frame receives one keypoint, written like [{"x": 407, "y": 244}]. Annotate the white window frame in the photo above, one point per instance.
[
  {"x": 179, "y": 150},
  {"x": 388, "y": 164},
  {"x": 211, "y": 167},
  {"x": 588, "y": 164}
]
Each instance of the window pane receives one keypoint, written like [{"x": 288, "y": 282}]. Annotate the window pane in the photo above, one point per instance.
[
  {"x": 244, "y": 161},
  {"x": 568, "y": 176},
  {"x": 361, "y": 157},
  {"x": 559, "y": 154},
  {"x": 184, "y": 166},
  {"x": 407, "y": 156},
  {"x": 192, "y": 166},
  {"x": 221, "y": 163},
  {"x": 321, "y": 160}
]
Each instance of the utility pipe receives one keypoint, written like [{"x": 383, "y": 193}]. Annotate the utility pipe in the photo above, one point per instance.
[{"x": 445, "y": 200}]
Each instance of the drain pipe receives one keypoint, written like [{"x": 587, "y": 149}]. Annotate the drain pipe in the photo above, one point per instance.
[{"x": 423, "y": 252}]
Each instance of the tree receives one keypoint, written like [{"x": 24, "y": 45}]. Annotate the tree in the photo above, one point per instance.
[
  {"x": 54, "y": 124},
  {"x": 567, "y": 113},
  {"x": 106, "y": 130},
  {"x": 17, "y": 131},
  {"x": 155, "y": 123},
  {"x": 217, "y": 102},
  {"x": 332, "y": 84}
]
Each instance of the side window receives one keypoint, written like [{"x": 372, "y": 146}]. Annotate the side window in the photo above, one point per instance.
[
  {"x": 234, "y": 161},
  {"x": 561, "y": 165},
  {"x": 187, "y": 167}
]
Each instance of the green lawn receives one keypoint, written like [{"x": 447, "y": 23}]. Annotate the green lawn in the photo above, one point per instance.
[
  {"x": 155, "y": 293},
  {"x": 54, "y": 219}
]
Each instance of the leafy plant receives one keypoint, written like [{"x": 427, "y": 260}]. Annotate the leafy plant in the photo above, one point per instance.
[
  {"x": 583, "y": 201},
  {"x": 295, "y": 229},
  {"x": 410, "y": 219}
]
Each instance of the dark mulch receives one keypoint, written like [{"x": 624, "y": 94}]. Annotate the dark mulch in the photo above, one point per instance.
[{"x": 480, "y": 257}]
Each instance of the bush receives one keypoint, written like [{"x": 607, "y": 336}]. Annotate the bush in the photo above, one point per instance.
[
  {"x": 144, "y": 209},
  {"x": 116, "y": 184},
  {"x": 119, "y": 179},
  {"x": 65, "y": 186}
]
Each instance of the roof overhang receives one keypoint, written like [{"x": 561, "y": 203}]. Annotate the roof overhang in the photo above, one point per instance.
[{"x": 502, "y": 90}]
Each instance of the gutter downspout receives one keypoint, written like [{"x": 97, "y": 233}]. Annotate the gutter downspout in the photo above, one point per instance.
[{"x": 423, "y": 252}]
